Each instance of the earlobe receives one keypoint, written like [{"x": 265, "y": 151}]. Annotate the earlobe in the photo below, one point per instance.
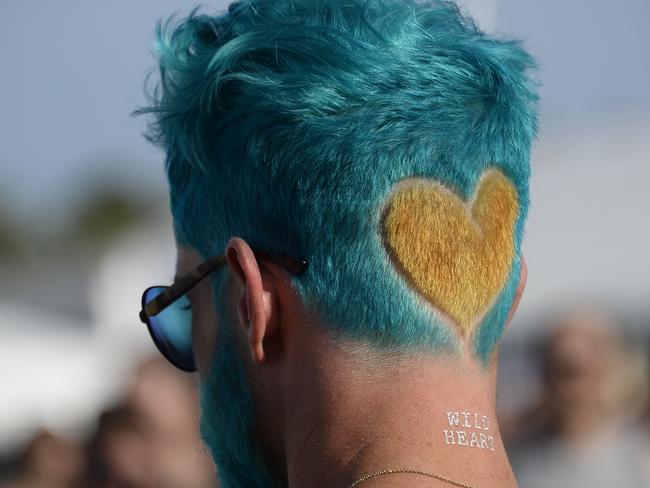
[
  {"x": 523, "y": 277},
  {"x": 256, "y": 307}
]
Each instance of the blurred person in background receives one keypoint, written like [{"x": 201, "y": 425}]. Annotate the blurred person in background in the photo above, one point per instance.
[
  {"x": 167, "y": 401},
  {"x": 49, "y": 461},
  {"x": 147, "y": 440},
  {"x": 151, "y": 438},
  {"x": 118, "y": 453},
  {"x": 349, "y": 185},
  {"x": 585, "y": 430},
  {"x": 646, "y": 411}
]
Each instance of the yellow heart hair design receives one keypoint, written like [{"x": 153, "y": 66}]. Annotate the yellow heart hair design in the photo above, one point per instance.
[{"x": 456, "y": 254}]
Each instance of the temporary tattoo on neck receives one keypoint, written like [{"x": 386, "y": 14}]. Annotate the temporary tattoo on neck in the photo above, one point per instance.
[{"x": 469, "y": 429}]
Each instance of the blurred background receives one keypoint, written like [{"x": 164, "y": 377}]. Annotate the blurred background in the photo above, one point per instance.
[{"x": 84, "y": 227}]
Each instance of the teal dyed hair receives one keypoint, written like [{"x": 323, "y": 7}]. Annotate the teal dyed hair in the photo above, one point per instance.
[
  {"x": 227, "y": 421},
  {"x": 287, "y": 123}
]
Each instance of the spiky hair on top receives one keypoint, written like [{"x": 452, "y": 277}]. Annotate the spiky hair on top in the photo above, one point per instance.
[{"x": 287, "y": 122}]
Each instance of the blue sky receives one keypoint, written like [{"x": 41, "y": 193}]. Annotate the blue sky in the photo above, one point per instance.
[{"x": 73, "y": 70}]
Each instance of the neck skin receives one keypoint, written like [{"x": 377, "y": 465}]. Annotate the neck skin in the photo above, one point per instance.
[
  {"x": 328, "y": 413},
  {"x": 345, "y": 418}
]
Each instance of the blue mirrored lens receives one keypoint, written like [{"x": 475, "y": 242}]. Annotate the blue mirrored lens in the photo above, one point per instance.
[{"x": 171, "y": 330}]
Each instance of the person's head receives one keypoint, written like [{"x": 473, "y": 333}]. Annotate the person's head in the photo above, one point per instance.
[
  {"x": 118, "y": 450},
  {"x": 52, "y": 460},
  {"x": 589, "y": 367},
  {"x": 166, "y": 401},
  {"x": 579, "y": 356},
  {"x": 386, "y": 143}
]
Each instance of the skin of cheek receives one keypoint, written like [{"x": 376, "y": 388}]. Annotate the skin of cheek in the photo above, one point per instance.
[
  {"x": 204, "y": 325},
  {"x": 204, "y": 320}
]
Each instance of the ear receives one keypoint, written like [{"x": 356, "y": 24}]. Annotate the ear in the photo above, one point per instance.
[
  {"x": 257, "y": 304},
  {"x": 523, "y": 276}
]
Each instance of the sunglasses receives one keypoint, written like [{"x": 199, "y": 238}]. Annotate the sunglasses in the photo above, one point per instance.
[{"x": 167, "y": 311}]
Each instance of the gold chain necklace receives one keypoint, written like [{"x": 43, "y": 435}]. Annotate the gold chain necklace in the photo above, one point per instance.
[{"x": 410, "y": 471}]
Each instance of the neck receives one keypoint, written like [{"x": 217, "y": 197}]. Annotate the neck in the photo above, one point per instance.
[{"x": 347, "y": 417}]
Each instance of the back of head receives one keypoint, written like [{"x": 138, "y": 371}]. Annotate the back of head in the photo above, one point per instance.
[{"x": 386, "y": 142}]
